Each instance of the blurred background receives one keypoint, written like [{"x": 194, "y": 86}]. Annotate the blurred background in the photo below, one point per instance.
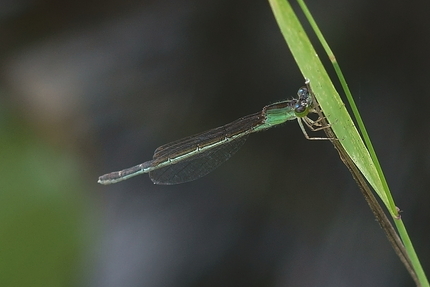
[{"x": 89, "y": 87}]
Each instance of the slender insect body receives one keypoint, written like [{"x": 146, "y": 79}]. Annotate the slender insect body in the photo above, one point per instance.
[{"x": 193, "y": 157}]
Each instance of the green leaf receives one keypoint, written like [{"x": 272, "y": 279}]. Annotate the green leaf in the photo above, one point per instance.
[{"x": 334, "y": 109}]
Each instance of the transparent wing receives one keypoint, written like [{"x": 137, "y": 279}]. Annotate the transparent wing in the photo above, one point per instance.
[{"x": 198, "y": 165}]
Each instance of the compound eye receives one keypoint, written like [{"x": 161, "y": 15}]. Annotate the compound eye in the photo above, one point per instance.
[
  {"x": 303, "y": 103},
  {"x": 303, "y": 92},
  {"x": 300, "y": 109}
]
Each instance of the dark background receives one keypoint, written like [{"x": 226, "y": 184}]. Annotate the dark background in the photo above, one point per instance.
[{"x": 88, "y": 87}]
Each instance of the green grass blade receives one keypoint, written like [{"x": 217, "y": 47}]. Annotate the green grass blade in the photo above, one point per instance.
[
  {"x": 326, "y": 94},
  {"x": 391, "y": 206},
  {"x": 336, "y": 113},
  {"x": 399, "y": 224}
]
